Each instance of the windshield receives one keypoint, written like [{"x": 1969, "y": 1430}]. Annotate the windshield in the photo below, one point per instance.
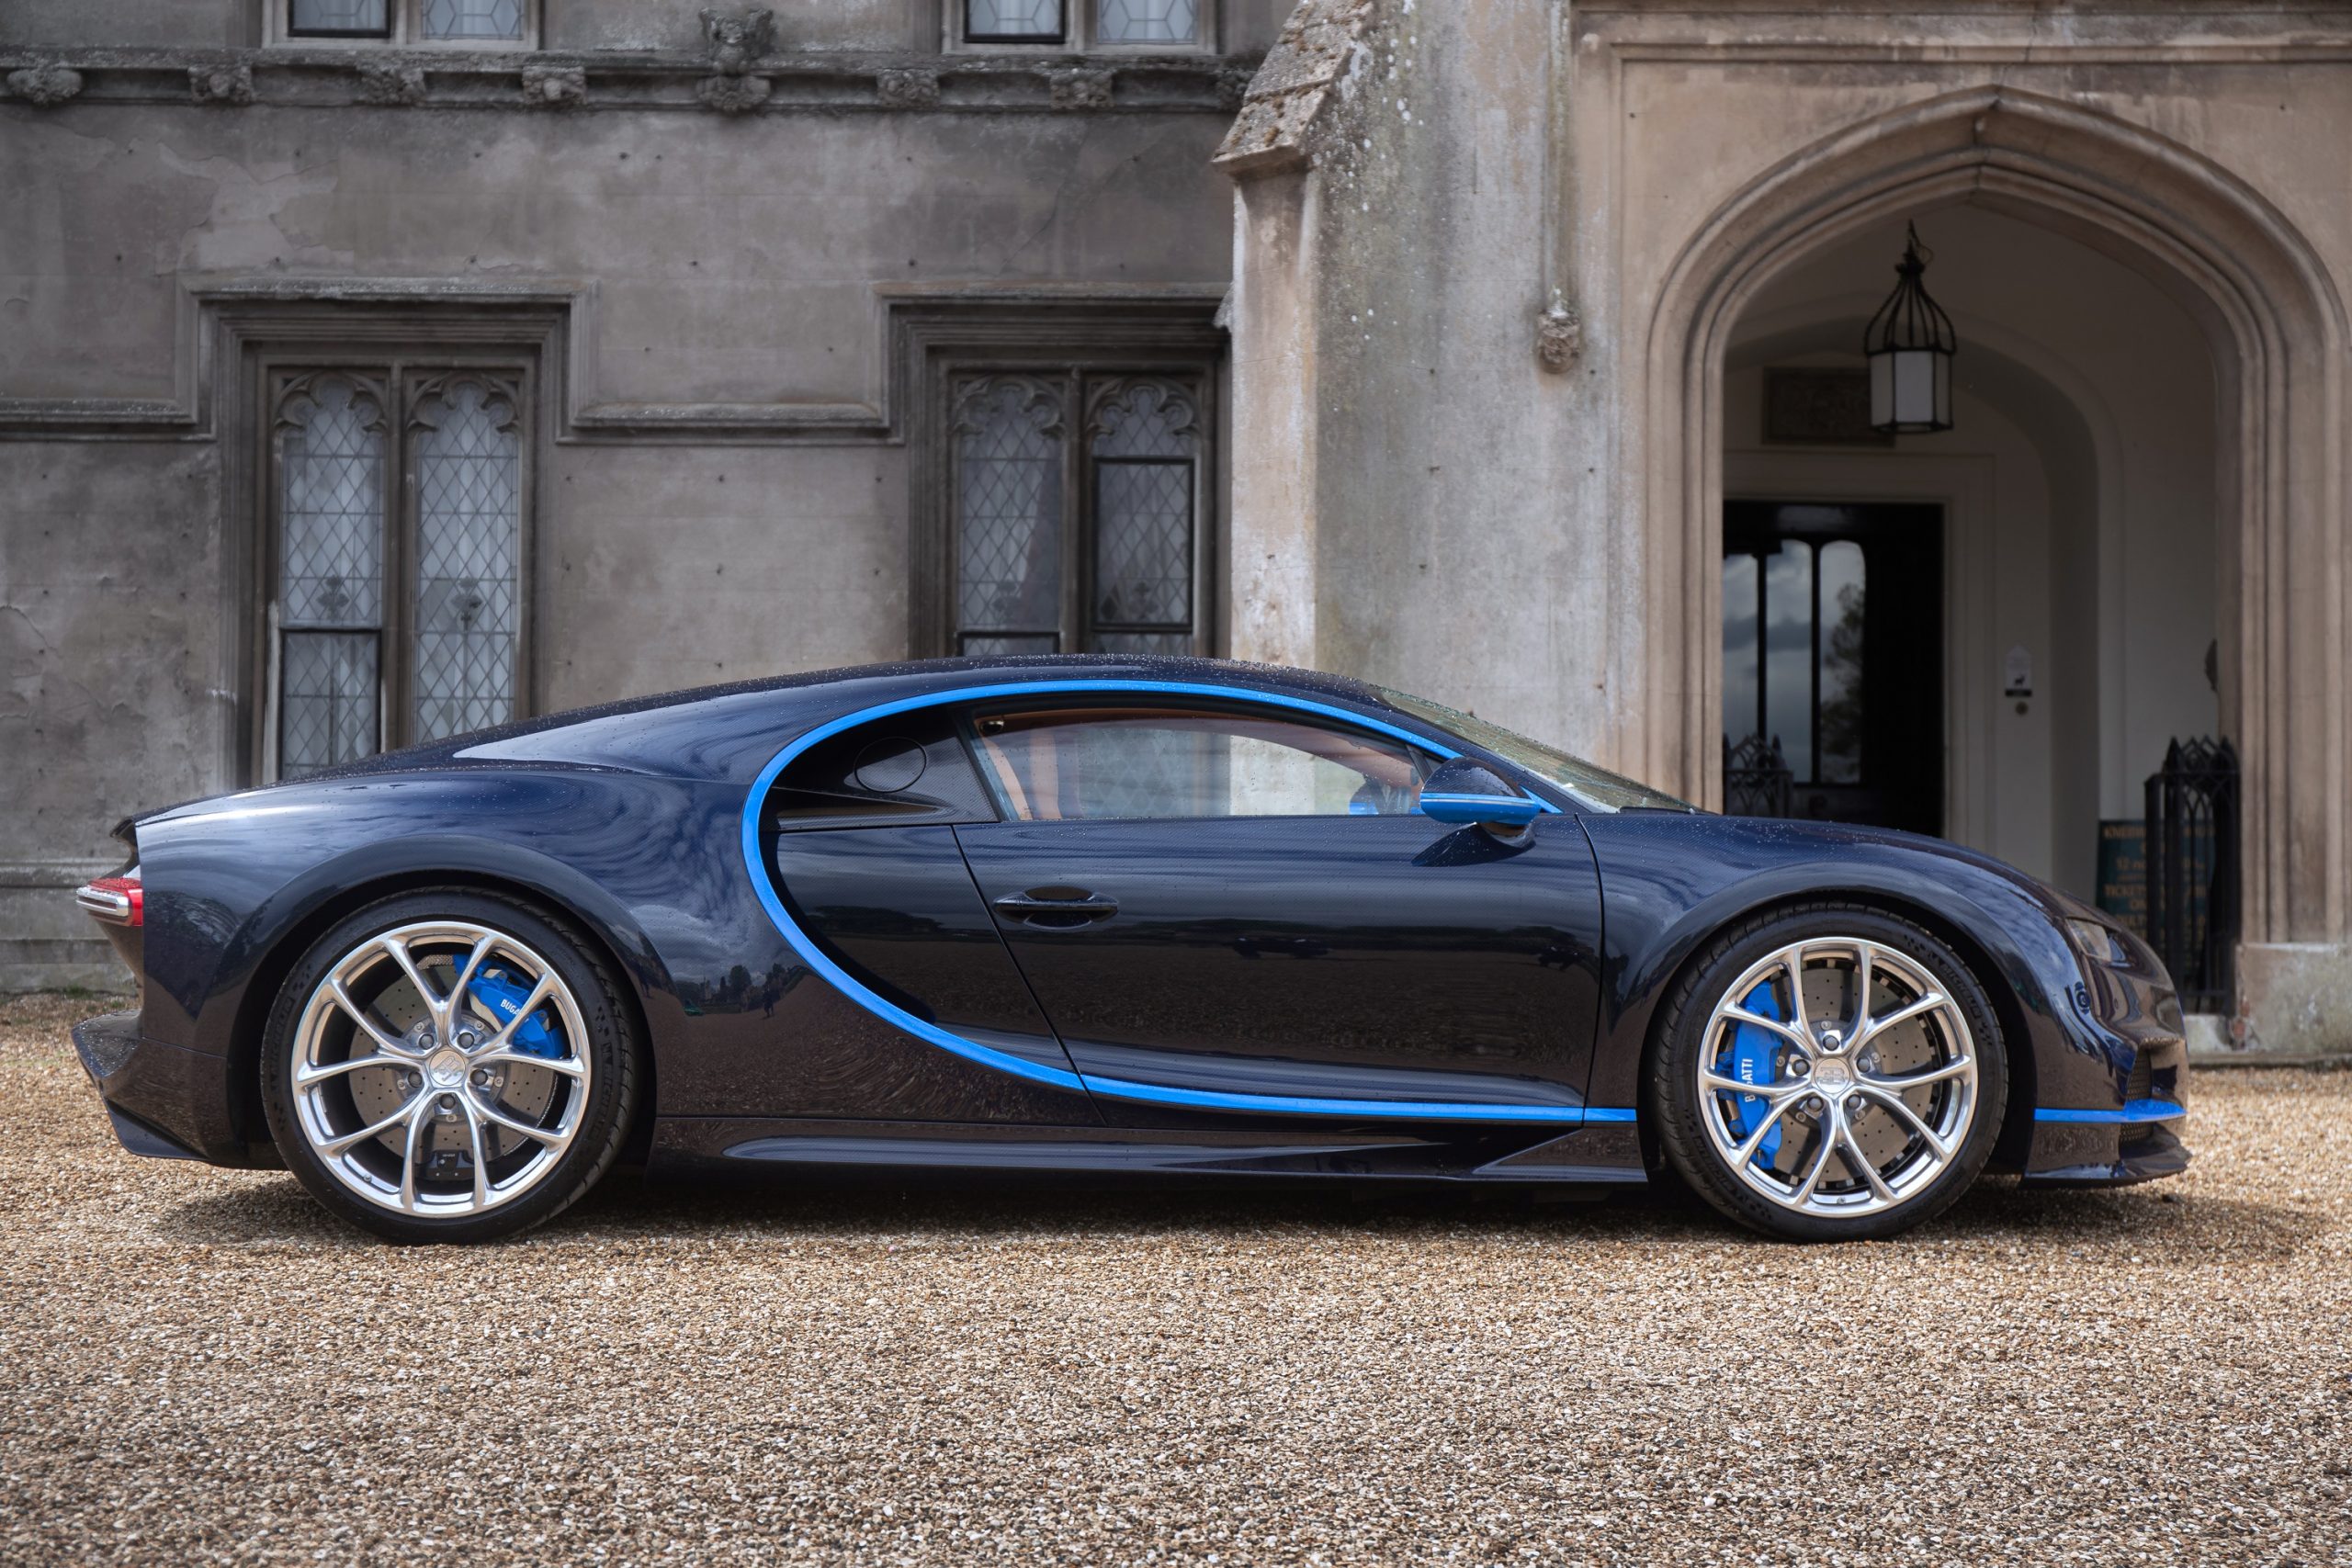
[{"x": 1594, "y": 786}]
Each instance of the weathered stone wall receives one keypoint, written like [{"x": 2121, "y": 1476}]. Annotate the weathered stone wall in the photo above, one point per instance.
[{"x": 729, "y": 491}]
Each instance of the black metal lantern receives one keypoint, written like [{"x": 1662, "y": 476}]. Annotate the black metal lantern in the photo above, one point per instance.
[{"x": 1910, "y": 344}]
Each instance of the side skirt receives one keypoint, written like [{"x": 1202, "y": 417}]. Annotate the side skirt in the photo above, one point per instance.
[{"x": 1603, "y": 1154}]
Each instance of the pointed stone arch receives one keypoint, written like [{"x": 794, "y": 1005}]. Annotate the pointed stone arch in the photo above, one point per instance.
[{"x": 2277, "y": 333}]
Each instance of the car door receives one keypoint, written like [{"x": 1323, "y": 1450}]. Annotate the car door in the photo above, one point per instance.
[{"x": 1230, "y": 907}]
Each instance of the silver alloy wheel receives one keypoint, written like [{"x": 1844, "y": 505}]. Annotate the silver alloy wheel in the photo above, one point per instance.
[
  {"x": 1837, "y": 1046},
  {"x": 440, "y": 1069}
]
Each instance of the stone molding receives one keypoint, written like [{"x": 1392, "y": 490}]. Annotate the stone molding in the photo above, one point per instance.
[
  {"x": 612, "y": 82},
  {"x": 1320, "y": 49},
  {"x": 217, "y": 313}
]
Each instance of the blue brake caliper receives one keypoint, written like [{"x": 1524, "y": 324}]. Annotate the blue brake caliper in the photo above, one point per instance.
[
  {"x": 496, "y": 991},
  {"x": 1753, "y": 1051}
]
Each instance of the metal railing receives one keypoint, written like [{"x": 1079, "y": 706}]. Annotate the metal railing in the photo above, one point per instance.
[
  {"x": 1756, "y": 781},
  {"x": 2192, "y": 806}
]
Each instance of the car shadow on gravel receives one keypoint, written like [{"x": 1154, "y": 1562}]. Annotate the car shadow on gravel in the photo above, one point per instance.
[{"x": 628, "y": 1209}]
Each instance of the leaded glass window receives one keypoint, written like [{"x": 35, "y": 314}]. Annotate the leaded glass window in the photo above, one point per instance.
[
  {"x": 338, "y": 19},
  {"x": 1146, "y": 21},
  {"x": 1013, "y": 21},
  {"x": 1069, "y": 537},
  {"x": 396, "y": 597},
  {"x": 473, "y": 18}
]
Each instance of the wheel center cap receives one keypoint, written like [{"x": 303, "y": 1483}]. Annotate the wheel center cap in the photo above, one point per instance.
[
  {"x": 445, "y": 1069},
  {"x": 1832, "y": 1074}
]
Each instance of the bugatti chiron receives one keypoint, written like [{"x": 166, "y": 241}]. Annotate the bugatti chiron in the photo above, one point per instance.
[{"x": 1093, "y": 915}]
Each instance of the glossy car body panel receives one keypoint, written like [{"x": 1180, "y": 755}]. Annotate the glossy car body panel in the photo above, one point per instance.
[{"x": 755, "y": 947}]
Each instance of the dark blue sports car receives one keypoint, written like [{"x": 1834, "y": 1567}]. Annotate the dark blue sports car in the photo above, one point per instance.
[{"x": 1099, "y": 915}]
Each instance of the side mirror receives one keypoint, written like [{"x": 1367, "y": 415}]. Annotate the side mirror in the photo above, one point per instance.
[{"x": 1464, "y": 792}]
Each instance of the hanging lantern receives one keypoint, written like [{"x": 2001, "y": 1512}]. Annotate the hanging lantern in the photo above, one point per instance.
[{"x": 1910, "y": 344}]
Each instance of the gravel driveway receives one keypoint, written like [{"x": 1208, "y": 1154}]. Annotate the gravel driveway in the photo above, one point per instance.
[{"x": 201, "y": 1365}]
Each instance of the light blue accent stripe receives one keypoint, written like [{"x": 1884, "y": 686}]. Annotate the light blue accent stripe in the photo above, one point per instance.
[
  {"x": 762, "y": 884},
  {"x": 2135, "y": 1113},
  {"x": 1479, "y": 807}
]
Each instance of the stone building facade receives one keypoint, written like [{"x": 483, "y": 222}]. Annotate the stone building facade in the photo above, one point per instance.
[{"x": 519, "y": 353}]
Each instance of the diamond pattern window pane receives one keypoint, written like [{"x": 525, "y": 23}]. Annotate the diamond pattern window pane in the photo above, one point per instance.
[
  {"x": 332, "y": 503},
  {"x": 1143, "y": 542},
  {"x": 1008, "y": 505},
  {"x": 326, "y": 701},
  {"x": 1143, "y": 642},
  {"x": 1014, "y": 19},
  {"x": 970, "y": 646},
  {"x": 1146, "y": 22},
  {"x": 366, "y": 18},
  {"x": 1146, "y": 419},
  {"x": 473, "y": 18},
  {"x": 470, "y": 523}
]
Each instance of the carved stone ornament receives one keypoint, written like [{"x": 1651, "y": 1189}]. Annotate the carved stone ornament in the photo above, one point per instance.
[
  {"x": 733, "y": 94},
  {"x": 44, "y": 86},
  {"x": 221, "y": 84},
  {"x": 388, "y": 81},
  {"x": 737, "y": 40},
  {"x": 1560, "y": 335},
  {"x": 1080, "y": 89},
  {"x": 907, "y": 89},
  {"x": 554, "y": 86},
  {"x": 1233, "y": 86}
]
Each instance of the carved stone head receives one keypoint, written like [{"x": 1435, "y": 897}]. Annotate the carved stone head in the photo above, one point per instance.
[{"x": 739, "y": 38}]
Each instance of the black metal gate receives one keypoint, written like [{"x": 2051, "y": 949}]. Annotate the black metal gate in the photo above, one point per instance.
[
  {"x": 1756, "y": 781},
  {"x": 2193, "y": 871}
]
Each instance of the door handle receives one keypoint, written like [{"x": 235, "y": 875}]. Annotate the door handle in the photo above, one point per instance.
[{"x": 1057, "y": 908}]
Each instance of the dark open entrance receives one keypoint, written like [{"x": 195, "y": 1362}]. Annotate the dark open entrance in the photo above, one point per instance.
[{"x": 1833, "y": 651}]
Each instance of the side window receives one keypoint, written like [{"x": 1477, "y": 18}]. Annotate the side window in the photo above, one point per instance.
[
  {"x": 1074, "y": 764},
  {"x": 896, "y": 773}
]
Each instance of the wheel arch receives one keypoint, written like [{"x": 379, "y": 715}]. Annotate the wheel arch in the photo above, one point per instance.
[
  {"x": 2016, "y": 1136},
  {"x": 291, "y": 937}
]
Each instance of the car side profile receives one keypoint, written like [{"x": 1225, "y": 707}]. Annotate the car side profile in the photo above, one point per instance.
[{"x": 1090, "y": 914}]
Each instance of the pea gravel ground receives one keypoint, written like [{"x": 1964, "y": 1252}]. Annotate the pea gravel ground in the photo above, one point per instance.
[{"x": 199, "y": 1365}]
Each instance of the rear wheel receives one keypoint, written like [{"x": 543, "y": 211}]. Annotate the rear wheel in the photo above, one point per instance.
[
  {"x": 449, "y": 1065},
  {"x": 1831, "y": 1072}
]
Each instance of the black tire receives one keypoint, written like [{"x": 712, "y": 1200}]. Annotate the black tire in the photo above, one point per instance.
[
  {"x": 1675, "y": 1099},
  {"x": 611, "y": 1046}
]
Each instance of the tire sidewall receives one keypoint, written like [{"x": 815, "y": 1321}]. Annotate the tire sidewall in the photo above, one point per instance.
[
  {"x": 1689, "y": 1144},
  {"x": 611, "y": 1048}
]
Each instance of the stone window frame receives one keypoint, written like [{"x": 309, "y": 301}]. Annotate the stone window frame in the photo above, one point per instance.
[
  {"x": 519, "y": 343},
  {"x": 1082, "y": 340},
  {"x": 406, "y": 30},
  {"x": 1077, "y": 33}
]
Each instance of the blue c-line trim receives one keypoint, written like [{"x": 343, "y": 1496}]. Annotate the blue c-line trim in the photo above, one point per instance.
[
  {"x": 2135, "y": 1113},
  {"x": 762, "y": 884}
]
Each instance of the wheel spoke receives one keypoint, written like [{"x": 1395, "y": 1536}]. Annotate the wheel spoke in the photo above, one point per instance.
[
  {"x": 305, "y": 1076},
  {"x": 336, "y": 1148},
  {"x": 1803, "y": 1194},
  {"x": 384, "y": 1038},
  {"x": 1733, "y": 1013},
  {"x": 435, "y": 1005},
  {"x": 1755, "y": 1139},
  {"x": 1903, "y": 1014},
  {"x": 417, "y": 1120},
  {"x": 1957, "y": 1067},
  {"x": 1864, "y": 958},
  {"x": 1860, "y": 1162},
  {"x": 568, "y": 1066},
  {"x": 1773, "y": 1090},
  {"x": 473, "y": 961},
  {"x": 1892, "y": 1102},
  {"x": 482, "y": 1155},
  {"x": 1794, "y": 964},
  {"x": 551, "y": 1136}
]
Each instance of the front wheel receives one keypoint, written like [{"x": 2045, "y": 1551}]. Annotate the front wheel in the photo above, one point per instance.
[
  {"x": 1829, "y": 1073},
  {"x": 449, "y": 1065}
]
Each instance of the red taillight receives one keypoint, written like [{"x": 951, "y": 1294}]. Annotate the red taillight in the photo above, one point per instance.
[{"x": 118, "y": 899}]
